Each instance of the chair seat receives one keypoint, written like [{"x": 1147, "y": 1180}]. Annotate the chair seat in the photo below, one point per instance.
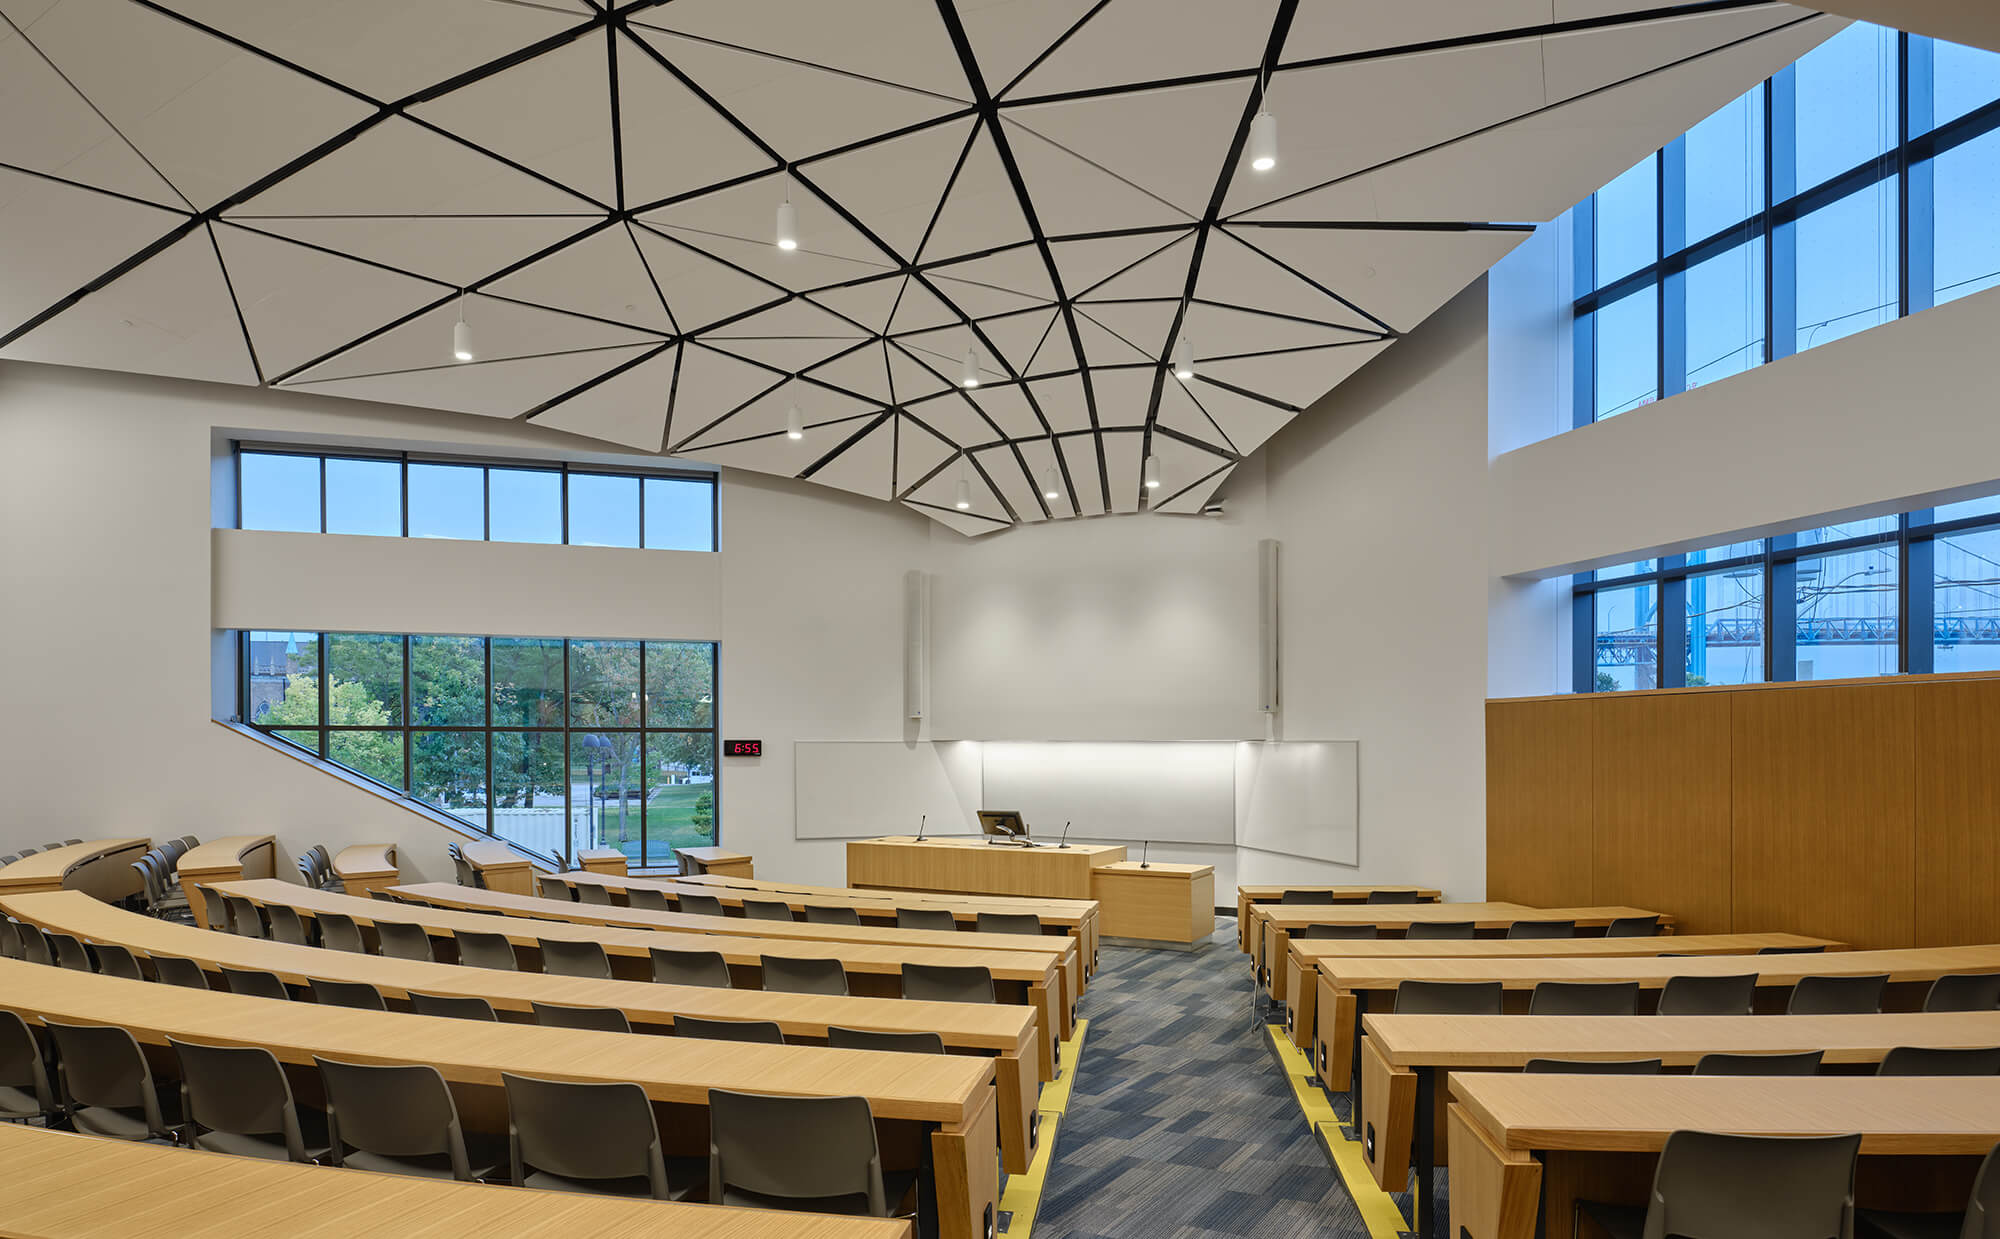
[
  {"x": 118, "y": 1124},
  {"x": 896, "y": 1184},
  {"x": 271, "y": 1148},
  {"x": 1879, "y": 1224},
  {"x": 18, "y": 1103},
  {"x": 685, "y": 1175},
  {"x": 425, "y": 1166},
  {"x": 1618, "y": 1221}
]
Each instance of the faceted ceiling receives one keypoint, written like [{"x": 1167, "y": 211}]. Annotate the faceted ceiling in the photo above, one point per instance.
[{"x": 312, "y": 195}]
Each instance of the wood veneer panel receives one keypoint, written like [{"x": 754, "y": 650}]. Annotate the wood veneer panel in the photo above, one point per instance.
[
  {"x": 1660, "y": 806},
  {"x": 1824, "y": 812},
  {"x": 1958, "y": 812},
  {"x": 1538, "y": 801}
]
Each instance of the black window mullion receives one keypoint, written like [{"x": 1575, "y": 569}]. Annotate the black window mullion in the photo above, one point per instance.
[{"x": 645, "y": 716}]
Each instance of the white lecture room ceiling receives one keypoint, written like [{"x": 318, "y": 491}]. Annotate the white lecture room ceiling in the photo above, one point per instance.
[{"x": 302, "y": 194}]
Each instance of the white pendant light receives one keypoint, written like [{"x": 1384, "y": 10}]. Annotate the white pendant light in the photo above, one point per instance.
[
  {"x": 1152, "y": 473},
  {"x": 795, "y": 423},
  {"x": 1050, "y": 490},
  {"x": 1183, "y": 360},
  {"x": 1263, "y": 133},
  {"x": 461, "y": 334},
  {"x": 964, "y": 496},
  {"x": 788, "y": 219},
  {"x": 969, "y": 376}
]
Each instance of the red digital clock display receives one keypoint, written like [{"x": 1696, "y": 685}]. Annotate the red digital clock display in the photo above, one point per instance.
[{"x": 742, "y": 748}]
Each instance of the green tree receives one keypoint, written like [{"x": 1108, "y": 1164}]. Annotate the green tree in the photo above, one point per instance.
[
  {"x": 1606, "y": 682},
  {"x": 704, "y": 811},
  {"x": 375, "y": 753}
]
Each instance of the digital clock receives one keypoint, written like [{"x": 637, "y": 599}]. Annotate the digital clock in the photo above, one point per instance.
[{"x": 742, "y": 748}]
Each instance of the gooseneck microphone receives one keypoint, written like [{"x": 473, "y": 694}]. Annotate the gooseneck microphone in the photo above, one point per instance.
[
  {"x": 1145, "y": 850},
  {"x": 1065, "y": 836},
  {"x": 921, "y": 823}
]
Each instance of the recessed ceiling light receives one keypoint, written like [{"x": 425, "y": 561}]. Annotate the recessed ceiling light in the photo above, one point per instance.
[
  {"x": 1152, "y": 473},
  {"x": 795, "y": 423},
  {"x": 1183, "y": 360},
  {"x": 964, "y": 495},
  {"x": 969, "y": 376},
  {"x": 461, "y": 334}
]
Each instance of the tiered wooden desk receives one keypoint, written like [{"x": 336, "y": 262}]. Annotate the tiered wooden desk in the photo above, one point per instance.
[
  {"x": 100, "y": 867},
  {"x": 972, "y": 866},
  {"x": 608, "y": 861},
  {"x": 1025, "y": 978},
  {"x": 1405, "y": 1056},
  {"x": 1155, "y": 905},
  {"x": 1008, "y": 1032},
  {"x": 949, "y": 1097},
  {"x": 1247, "y": 897},
  {"x": 227, "y": 859},
  {"x": 366, "y": 867},
  {"x": 501, "y": 867},
  {"x": 719, "y": 861},
  {"x": 1393, "y": 920},
  {"x": 1061, "y": 950},
  {"x": 1303, "y": 956},
  {"x": 60, "y": 1185},
  {"x": 1515, "y": 1138}
]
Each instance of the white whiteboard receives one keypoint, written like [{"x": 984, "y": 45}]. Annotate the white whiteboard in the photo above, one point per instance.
[
  {"x": 858, "y": 789},
  {"x": 1300, "y": 798},
  {"x": 1165, "y": 791}
]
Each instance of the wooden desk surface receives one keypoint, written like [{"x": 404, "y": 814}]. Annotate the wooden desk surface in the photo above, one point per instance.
[
  {"x": 1313, "y": 950},
  {"x": 46, "y": 870},
  {"x": 1091, "y": 850},
  {"x": 365, "y": 860},
  {"x": 1905, "y": 964},
  {"x": 492, "y": 854},
  {"x": 60, "y": 1185},
  {"x": 1288, "y": 916},
  {"x": 711, "y": 855},
  {"x": 222, "y": 854},
  {"x": 1931, "y": 1115},
  {"x": 1272, "y": 893},
  {"x": 1158, "y": 869},
  {"x": 1054, "y": 911}
]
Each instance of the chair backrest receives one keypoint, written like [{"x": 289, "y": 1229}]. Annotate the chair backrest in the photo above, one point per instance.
[
  {"x": 482, "y": 950},
  {"x": 804, "y": 976},
  {"x": 238, "y": 1090},
  {"x": 1441, "y": 931},
  {"x": 701, "y": 905},
  {"x": 591, "y": 892},
  {"x": 1695, "y": 995},
  {"x": 1982, "y": 1212},
  {"x": 555, "y": 888},
  {"x": 1409, "y": 896},
  {"x": 453, "y": 1006},
  {"x": 869, "y": 1039},
  {"x": 1804, "y": 1063},
  {"x": 68, "y": 951},
  {"x": 809, "y": 1153},
  {"x": 1008, "y": 923},
  {"x": 690, "y": 968},
  {"x": 1542, "y": 929},
  {"x": 338, "y": 932},
  {"x": 1306, "y": 897},
  {"x": 34, "y": 945},
  {"x": 357, "y": 994},
  {"x": 10, "y": 939},
  {"x": 114, "y": 960},
  {"x": 648, "y": 898},
  {"x": 1838, "y": 995},
  {"x": 1792, "y": 950},
  {"x": 1448, "y": 998},
  {"x": 149, "y": 882},
  {"x": 1593, "y": 1067},
  {"x": 392, "y": 1109},
  {"x": 762, "y": 1032},
  {"x": 173, "y": 970},
  {"x": 1633, "y": 927},
  {"x": 1585, "y": 998},
  {"x": 25, "y": 852},
  {"x": 214, "y": 910},
  {"x": 1909, "y": 1060},
  {"x": 1753, "y": 1187},
  {"x": 255, "y": 982},
  {"x": 404, "y": 940},
  {"x": 1351, "y": 932},
  {"x": 102, "y": 1066},
  {"x": 21, "y": 1068},
  {"x": 597, "y": 1019},
  {"x": 462, "y": 868},
  {"x": 582, "y": 1131},
  {"x": 1964, "y": 991},
  {"x": 564, "y": 957},
  {"x": 767, "y": 910},
  {"x": 839, "y": 914},
  {"x": 307, "y": 874},
  {"x": 939, "y": 920},
  {"x": 287, "y": 925},
  {"x": 245, "y": 918},
  {"x": 947, "y": 983}
]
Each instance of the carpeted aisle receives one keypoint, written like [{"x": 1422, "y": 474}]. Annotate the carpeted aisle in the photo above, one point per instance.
[{"x": 1181, "y": 1125}]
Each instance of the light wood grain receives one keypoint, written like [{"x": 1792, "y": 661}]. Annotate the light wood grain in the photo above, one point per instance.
[
  {"x": 1660, "y": 830},
  {"x": 501, "y": 867},
  {"x": 901, "y": 862},
  {"x": 224, "y": 860},
  {"x": 1388, "y": 1098},
  {"x": 715, "y": 860},
  {"x": 603, "y": 860},
  {"x": 1271, "y": 893},
  {"x": 1538, "y": 801},
  {"x": 1494, "y": 1192},
  {"x": 1160, "y": 903},
  {"x": 102, "y": 867},
  {"x": 1958, "y": 802},
  {"x": 366, "y": 867}
]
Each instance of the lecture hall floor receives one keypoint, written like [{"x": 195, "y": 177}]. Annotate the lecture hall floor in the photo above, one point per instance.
[{"x": 1182, "y": 1126}]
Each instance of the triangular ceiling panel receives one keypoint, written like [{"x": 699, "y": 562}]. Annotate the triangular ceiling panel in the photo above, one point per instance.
[
  {"x": 869, "y": 303},
  {"x": 55, "y": 238},
  {"x": 1074, "y": 196},
  {"x": 68, "y": 138},
  {"x": 670, "y": 141},
  {"x": 1246, "y": 421},
  {"x": 551, "y": 114},
  {"x": 790, "y": 336},
  {"x": 1124, "y": 397},
  {"x": 1041, "y": 455},
  {"x": 894, "y": 187},
  {"x": 915, "y": 375},
  {"x": 1021, "y": 270},
  {"x": 1008, "y": 37},
  {"x": 710, "y": 385},
  {"x": 1117, "y": 333},
  {"x": 899, "y": 41},
  {"x": 1086, "y": 264},
  {"x": 738, "y": 224},
  {"x": 1222, "y": 331},
  {"x": 867, "y": 466},
  {"x": 1181, "y": 413},
  {"x": 1397, "y": 275},
  {"x": 501, "y": 329},
  {"x": 942, "y": 492},
  {"x": 1012, "y": 480},
  {"x": 943, "y": 350},
  {"x": 490, "y": 389},
  {"x": 863, "y": 371},
  {"x": 1181, "y": 465},
  {"x": 920, "y": 310},
  {"x": 1058, "y": 352},
  {"x": 967, "y": 523},
  {"x": 1234, "y": 274},
  {"x": 1297, "y": 378},
  {"x": 1588, "y": 60},
  {"x": 1163, "y": 273},
  {"x": 1062, "y": 402},
  {"x": 1018, "y": 336},
  {"x": 982, "y": 211},
  {"x": 630, "y": 407},
  {"x": 700, "y": 289},
  {"x": 1341, "y": 29},
  {"x": 1084, "y": 465},
  {"x": 1124, "y": 461},
  {"x": 1189, "y": 500},
  {"x": 170, "y": 315},
  {"x": 983, "y": 300},
  {"x": 1170, "y": 143},
  {"x": 954, "y": 415},
  {"x": 1006, "y": 406},
  {"x": 601, "y": 275},
  {"x": 821, "y": 410},
  {"x": 918, "y": 452},
  {"x": 459, "y": 250},
  {"x": 1131, "y": 41},
  {"x": 775, "y": 455}
]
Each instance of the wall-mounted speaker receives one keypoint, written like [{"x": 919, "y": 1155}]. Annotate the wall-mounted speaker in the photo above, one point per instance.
[
  {"x": 916, "y": 643},
  {"x": 1267, "y": 625}
]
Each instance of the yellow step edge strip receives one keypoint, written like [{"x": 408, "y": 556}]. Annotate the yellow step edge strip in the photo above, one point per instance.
[
  {"x": 1379, "y": 1211},
  {"x": 1023, "y": 1197}
]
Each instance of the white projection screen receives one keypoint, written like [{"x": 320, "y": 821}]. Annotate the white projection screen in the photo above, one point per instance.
[
  {"x": 1163, "y": 791},
  {"x": 1300, "y": 798},
  {"x": 859, "y": 789}
]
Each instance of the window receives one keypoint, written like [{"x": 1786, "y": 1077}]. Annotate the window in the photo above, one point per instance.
[
  {"x": 1628, "y": 630},
  {"x": 1844, "y": 610},
  {"x": 1966, "y": 602},
  {"x": 1857, "y": 185},
  {"x": 393, "y": 496},
  {"x": 555, "y": 745},
  {"x": 1725, "y": 627}
]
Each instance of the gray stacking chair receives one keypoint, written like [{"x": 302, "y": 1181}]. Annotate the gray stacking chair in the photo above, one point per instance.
[
  {"x": 564, "y": 957},
  {"x": 104, "y": 1084},
  {"x": 898, "y": 1042},
  {"x": 648, "y": 899},
  {"x": 68, "y": 951},
  {"x": 1909, "y": 1060},
  {"x": 235, "y": 1099},
  {"x": 24, "y": 1085},
  {"x": 288, "y": 926},
  {"x": 1008, "y": 923},
  {"x": 701, "y": 905},
  {"x": 214, "y": 910},
  {"x": 173, "y": 970},
  {"x": 571, "y": 1137},
  {"x": 761, "y": 1032},
  {"x": 939, "y": 920},
  {"x": 592, "y": 893},
  {"x": 948, "y": 983},
  {"x": 839, "y": 914},
  {"x": 707, "y": 968},
  {"x": 1403, "y": 896},
  {"x": 256, "y": 982},
  {"x": 1792, "y": 950},
  {"x": 463, "y": 870},
  {"x": 1442, "y": 931},
  {"x": 34, "y": 946},
  {"x": 767, "y": 910},
  {"x": 356, "y": 994},
  {"x": 338, "y": 932},
  {"x": 1337, "y": 932},
  {"x": 114, "y": 960},
  {"x": 1633, "y": 927},
  {"x": 404, "y": 940},
  {"x": 804, "y": 976},
  {"x": 1741, "y": 1187},
  {"x": 10, "y": 939},
  {"x": 1593, "y": 1066},
  {"x": 810, "y": 1154},
  {"x": 1542, "y": 929},
  {"x": 1801, "y": 1064},
  {"x": 1696, "y": 995},
  {"x": 1312, "y": 897},
  {"x": 1449, "y": 998},
  {"x": 597, "y": 1019},
  {"x": 453, "y": 1006},
  {"x": 1962, "y": 991},
  {"x": 71, "y": 842},
  {"x": 398, "y": 1118},
  {"x": 244, "y": 917},
  {"x": 1981, "y": 1219},
  {"x": 1585, "y": 998},
  {"x": 479, "y": 950},
  {"x": 1838, "y": 995}
]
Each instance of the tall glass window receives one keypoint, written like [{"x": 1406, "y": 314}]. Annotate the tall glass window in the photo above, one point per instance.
[{"x": 1628, "y": 632}]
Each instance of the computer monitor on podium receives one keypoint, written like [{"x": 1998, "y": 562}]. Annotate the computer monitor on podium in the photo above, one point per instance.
[{"x": 1003, "y": 823}]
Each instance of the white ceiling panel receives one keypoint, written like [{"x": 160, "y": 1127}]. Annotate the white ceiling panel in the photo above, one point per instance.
[
  {"x": 895, "y": 187},
  {"x": 975, "y": 300},
  {"x": 489, "y": 389},
  {"x": 1163, "y": 273},
  {"x": 69, "y": 138},
  {"x": 601, "y": 275},
  {"x": 1122, "y": 43},
  {"x": 1124, "y": 457},
  {"x": 500, "y": 329},
  {"x": 920, "y": 309},
  {"x": 700, "y": 289},
  {"x": 1021, "y": 269},
  {"x": 1017, "y": 336},
  {"x": 1589, "y": 60},
  {"x": 460, "y": 250},
  {"x": 1234, "y": 274},
  {"x": 670, "y": 142},
  {"x": 1008, "y": 35},
  {"x": 1170, "y": 143},
  {"x": 1223, "y": 331},
  {"x": 867, "y": 466},
  {"x": 822, "y": 411},
  {"x": 1296, "y": 378},
  {"x": 901, "y": 41},
  {"x": 629, "y": 408},
  {"x": 712, "y": 384},
  {"x": 952, "y": 414},
  {"x": 740, "y": 224},
  {"x": 1086, "y": 264},
  {"x": 1073, "y": 195},
  {"x": 551, "y": 114},
  {"x": 1083, "y": 463},
  {"x": 1342, "y": 27},
  {"x": 918, "y": 452},
  {"x": 967, "y": 523},
  {"x": 1124, "y": 397},
  {"x": 982, "y": 211},
  {"x": 1190, "y": 499},
  {"x": 1006, "y": 406},
  {"x": 863, "y": 371},
  {"x": 1117, "y": 333},
  {"x": 916, "y": 375},
  {"x": 944, "y": 350},
  {"x": 1058, "y": 351},
  {"x": 1062, "y": 401},
  {"x": 869, "y": 303},
  {"x": 1246, "y": 422},
  {"x": 55, "y": 238},
  {"x": 1012, "y": 480},
  {"x": 1397, "y": 275},
  {"x": 942, "y": 491},
  {"x": 1180, "y": 412},
  {"x": 1042, "y": 458},
  {"x": 1181, "y": 466}
]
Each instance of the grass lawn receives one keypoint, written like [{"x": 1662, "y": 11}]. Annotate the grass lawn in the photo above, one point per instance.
[{"x": 669, "y": 823}]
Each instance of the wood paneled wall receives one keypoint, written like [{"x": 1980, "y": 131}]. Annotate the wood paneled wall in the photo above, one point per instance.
[{"x": 1864, "y": 810}]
